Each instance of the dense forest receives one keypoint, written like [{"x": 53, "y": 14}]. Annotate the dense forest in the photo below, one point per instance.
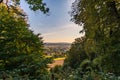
[{"x": 94, "y": 56}]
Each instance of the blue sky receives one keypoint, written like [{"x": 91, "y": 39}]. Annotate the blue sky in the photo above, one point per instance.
[{"x": 56, "y": 27}]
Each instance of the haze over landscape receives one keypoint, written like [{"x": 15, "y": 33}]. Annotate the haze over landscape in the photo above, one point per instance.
[{"x": 56, "y": 27}]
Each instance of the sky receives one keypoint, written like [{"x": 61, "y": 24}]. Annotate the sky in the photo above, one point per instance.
[{"x": 55, "y": 27}]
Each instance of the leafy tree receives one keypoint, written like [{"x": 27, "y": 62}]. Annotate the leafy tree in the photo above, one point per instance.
[
  {"x": 33, "y": 4},
  {"x": 21, "y": 51},
  {"x": 101, "y": 24},
  {"x": 76, "y": 54}
]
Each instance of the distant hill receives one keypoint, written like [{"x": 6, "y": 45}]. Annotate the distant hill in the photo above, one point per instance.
[{"x": 57, "y": 45}]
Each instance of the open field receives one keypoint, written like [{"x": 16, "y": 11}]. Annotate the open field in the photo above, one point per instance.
[{"x": 57, "y": 61}]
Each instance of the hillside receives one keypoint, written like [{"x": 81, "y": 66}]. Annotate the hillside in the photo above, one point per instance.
[{"x": 57, "y": 45}]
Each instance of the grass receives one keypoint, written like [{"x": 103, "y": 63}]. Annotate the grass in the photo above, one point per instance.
[{"x": 59, "y": 58}]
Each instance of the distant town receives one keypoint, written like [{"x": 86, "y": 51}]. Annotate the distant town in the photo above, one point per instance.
[{"x": 56, "y": 49}]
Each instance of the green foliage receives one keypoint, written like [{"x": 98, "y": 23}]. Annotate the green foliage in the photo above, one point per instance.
[
  {"x": 101, "y": 24},
  {"x": 21, "y": 51},
  {"x": 101, "y": 46},
  {"x": 61, "y": 73},
  {"x": 37, "y": 5},
  {"x": 76, "y": 54},
  {"x": 33, "y": 4}
]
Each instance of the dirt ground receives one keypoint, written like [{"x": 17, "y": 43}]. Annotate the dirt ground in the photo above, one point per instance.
[{"x": 56, "y": 62}]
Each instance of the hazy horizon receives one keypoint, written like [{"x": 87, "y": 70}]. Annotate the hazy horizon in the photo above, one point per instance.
[{"x": 59, "y": 42}]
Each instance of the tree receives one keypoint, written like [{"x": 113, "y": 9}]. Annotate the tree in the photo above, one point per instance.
[
  {"x": 33, "y": 4},
  {"x": 21, "y": 51},
  {"x": 101, "y": 24},
  {"x": 76, "y": 54}
]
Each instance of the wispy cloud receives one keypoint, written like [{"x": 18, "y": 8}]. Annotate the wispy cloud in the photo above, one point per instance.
[
  {"x": 62, "y": 28},
  {"x": 64, "y": 33}
]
